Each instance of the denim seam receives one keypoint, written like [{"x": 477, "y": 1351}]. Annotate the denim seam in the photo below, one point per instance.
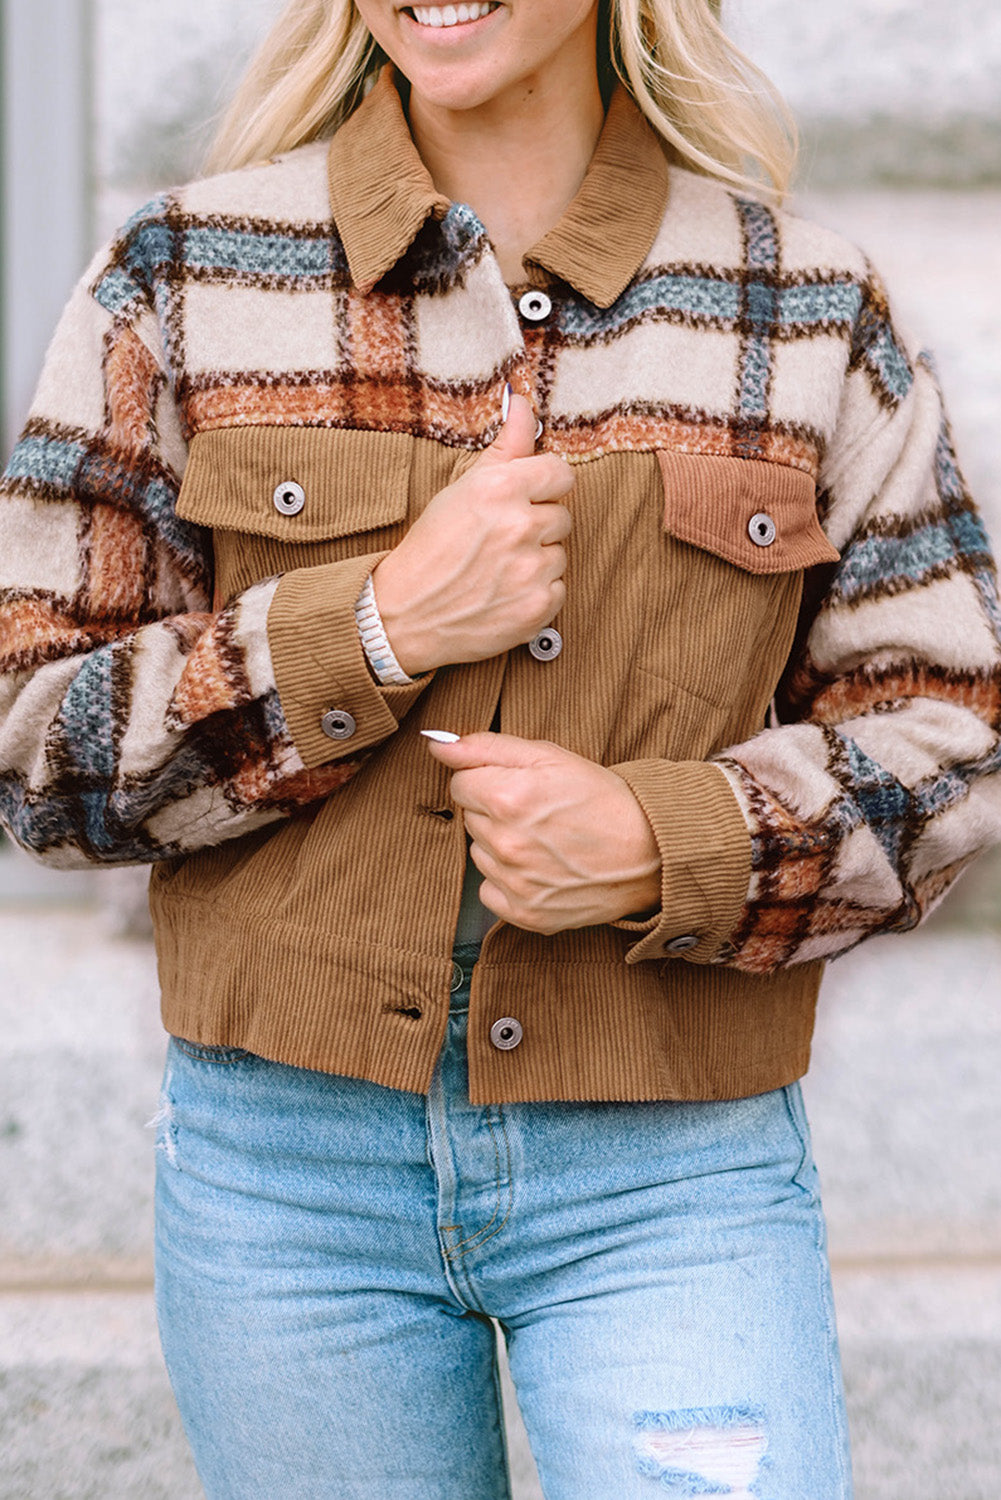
[
  {"x": 446, "y": 1178},
  {"x": 837, "y": 1409},
  {"x": 838, "y": 1413},
  {"x": 220, "y": 1056},
  {"x": 804, "y": 1142},
  {"x": 486, "y": 1232}
]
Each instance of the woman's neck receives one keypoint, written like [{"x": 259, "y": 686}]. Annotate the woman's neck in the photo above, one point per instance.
[{"x": 516, "y": 163}]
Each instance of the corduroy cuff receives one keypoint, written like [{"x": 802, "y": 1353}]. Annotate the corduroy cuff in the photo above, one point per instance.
[
  {"x": 320, "y": 666},
  {"x": 705, "y": 847}
]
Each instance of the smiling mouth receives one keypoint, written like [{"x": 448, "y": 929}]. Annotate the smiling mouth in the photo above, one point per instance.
[{"x": 451, "y": 15}]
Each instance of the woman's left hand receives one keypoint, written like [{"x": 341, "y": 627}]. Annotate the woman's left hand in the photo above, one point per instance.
[{"x": 560, "y": 841}]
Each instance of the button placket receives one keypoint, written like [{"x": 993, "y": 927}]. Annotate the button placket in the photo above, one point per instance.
[{"x": 546, "y": 645}]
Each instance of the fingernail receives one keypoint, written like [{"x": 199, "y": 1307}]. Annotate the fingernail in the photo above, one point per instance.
[
  {"x": 441, "y": 736},
  {"x": 506, "y": 401}
]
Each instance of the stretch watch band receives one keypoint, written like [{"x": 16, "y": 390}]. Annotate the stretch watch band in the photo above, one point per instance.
[{"x": 375, "y": 642}]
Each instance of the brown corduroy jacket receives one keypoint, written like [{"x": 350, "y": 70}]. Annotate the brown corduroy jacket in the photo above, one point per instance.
[
  {"x": 327, "y": 941},
  {"x": 308, "y": 351}
]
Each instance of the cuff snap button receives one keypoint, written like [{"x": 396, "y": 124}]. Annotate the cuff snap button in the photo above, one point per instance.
[
  {"x": 338, "y": 724},
  {"x": 682, "y": 944}
]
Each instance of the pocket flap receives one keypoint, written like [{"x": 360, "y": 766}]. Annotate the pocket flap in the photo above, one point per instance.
[
  {"x": 761, "y": 517},
  {"x": 299, "y": 484}
]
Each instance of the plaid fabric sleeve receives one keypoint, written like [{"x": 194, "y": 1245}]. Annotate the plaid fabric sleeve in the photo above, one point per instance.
[
  {"x": 881, "y": 776},
  {"x": 135, "y": 722}
]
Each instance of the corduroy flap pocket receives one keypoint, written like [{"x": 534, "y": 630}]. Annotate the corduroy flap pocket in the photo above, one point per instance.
[
  {"x": 761, "y": 517},
  {"x": 297, "y": 484},
  {"x": 722, "y": 594}
]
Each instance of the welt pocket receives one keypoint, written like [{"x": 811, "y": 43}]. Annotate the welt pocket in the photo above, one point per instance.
[
  {"x": 761, "y": 517},
  {"x": 296, "y": 484}
]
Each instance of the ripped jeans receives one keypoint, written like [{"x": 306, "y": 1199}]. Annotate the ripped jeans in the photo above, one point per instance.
[{"x": 330, "y": 1255}]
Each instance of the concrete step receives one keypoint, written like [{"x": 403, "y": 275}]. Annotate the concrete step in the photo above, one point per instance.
[
  {"x": 86, "y": 1412},
  {"x": 922, "y": 1357},
  {"x": 81, "y": 1051},
  {"x": 904, "y": 1100}
]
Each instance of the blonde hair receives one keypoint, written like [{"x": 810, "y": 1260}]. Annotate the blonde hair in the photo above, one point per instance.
[{"x": 715, "y": 109}]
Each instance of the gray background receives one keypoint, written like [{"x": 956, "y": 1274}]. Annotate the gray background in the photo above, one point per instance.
[{"x": 901, "y": 108}]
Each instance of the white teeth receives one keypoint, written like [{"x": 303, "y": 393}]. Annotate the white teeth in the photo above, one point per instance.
[{"x": 451, "y": 15}]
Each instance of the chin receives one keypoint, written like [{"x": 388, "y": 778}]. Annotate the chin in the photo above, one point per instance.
[{"x": 454, "y": 88}]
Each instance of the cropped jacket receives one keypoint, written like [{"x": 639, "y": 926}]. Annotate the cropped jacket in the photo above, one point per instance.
[{"x": 781, "y": 626}]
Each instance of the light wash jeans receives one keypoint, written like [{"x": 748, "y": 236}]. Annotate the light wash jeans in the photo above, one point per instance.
[{"x": 330, "y": 1254}]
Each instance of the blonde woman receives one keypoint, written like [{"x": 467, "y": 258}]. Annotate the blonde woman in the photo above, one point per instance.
[{"x": 512, "y": 582}]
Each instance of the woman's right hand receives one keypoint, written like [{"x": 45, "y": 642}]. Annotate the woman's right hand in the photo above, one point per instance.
[{"x": 481, "y": 570}]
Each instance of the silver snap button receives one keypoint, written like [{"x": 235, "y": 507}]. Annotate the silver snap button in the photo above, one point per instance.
[
  {"x": 506, "y": 1033},
  {"x": 547, "y": 645},
  {"x": 456, "y": 977},
  {"x": 338, "y": 724},
  {"x": 682, "y": 944},
  {"x": 761, "y": 529},
  {"x": 289, "y": 498},
  {"x": 534, "y": 306}
]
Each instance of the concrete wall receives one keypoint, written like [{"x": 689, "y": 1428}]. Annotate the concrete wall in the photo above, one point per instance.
[
  {"x": 857, "y": 57},
  {"x": 161, "y": 73},
  {"x": 887, "y": 90},
  {"x": 46, "y": 226}
]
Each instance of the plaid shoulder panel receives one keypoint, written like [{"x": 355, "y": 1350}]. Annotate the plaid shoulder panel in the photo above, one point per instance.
[
  {"x": 885, "y": 779},
  {"x": 134, "y": 723}
]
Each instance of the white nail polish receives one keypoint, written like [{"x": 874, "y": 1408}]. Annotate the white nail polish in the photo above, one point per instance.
[
  {"x": 506, "y": 402},
  {"x": 441, "y": 736}
]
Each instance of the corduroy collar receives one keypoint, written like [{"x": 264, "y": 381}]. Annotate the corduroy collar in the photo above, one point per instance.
[{"x": 381, "y": 194}]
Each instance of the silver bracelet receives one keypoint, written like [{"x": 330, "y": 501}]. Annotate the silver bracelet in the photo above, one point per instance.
[{"x": 380, "y": 654}]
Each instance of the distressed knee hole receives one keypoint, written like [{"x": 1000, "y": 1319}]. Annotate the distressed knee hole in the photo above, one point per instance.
[{"x": 710, "y": 1451}]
